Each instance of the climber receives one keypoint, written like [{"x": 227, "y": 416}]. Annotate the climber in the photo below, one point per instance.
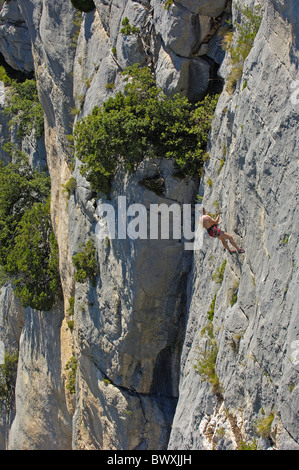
[{"x": 211, "y": 225}]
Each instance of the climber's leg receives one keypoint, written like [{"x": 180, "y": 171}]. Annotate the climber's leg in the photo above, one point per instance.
[{"x": 226, "y": 236}]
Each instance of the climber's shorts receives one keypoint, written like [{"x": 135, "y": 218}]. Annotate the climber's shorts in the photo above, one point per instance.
[{"x": 214, "y": 231}]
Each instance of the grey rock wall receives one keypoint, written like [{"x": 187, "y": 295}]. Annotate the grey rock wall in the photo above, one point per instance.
[
  {"x": 128, "y": 329},
  {"x": 257, "y": 192},
  {"x": 177, "y": 44},
  {"x": 15, "y": 43},
  {"x": 137, "y": 333},
  {"x": 16, "y": 49},
  {"x": 42, "y": 420},
  {"x": 12, "y": 317}
]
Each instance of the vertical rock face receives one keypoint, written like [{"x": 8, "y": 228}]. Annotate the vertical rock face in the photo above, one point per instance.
[
  {"x": 12, "y": 316},
  {"x": 15, "y": 43},
  {"x": 133, "y": 353},
  {"x": 257, "y": 190},
  {"x": 42, "y": 419},
  {"x": 128, "y": 329}
]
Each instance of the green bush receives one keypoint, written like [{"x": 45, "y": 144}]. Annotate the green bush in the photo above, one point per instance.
[
  {"x": 245, "y": 32},
  {"x": 3, "y": 277},
  {"x": 222, "y": 162},
  {"x": 20, "y": 188},
  {"x": 127, "y": 29},
  {"x": 83, "y": 5},
  {"x": 205, "y": 365},
  {"x": 8, "y": 377},
  {"x": 247, "y": 445},
  {"x": 77, "y": 26},
  {"x": 142, "y": 122},
  {"x": 219, "y": 273},
  {"x": 210, "y": 313},
  {"x": 234, "y": 294},
  {"x": 71, "y": 324},
  {"x": 85, "y": 263},
  {"x": 34, "y": 259},
  {"x": 263, "y": 426},
  {"x": 71, "y": 366},
  {"x": 28, "y": 249},
  {"x": 4, "y": 77},
  {"x": 70, "y": 312},
  {"x": 25, "y": 109},
  {"x": 70, "y": 187},
  {"x": 168, "y": 4},
  {"x": 71, "y": 309}
]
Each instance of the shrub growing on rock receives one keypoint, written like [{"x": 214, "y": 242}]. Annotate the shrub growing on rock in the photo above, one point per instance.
[
  {"x": 85, "y": 263},
  {"x": 24, "y": 109},
  {"x": 34, "y": 259},
  {"x": 142, "y": 122},
  {"x": 71, "y": 367},
  {"x": 8, "y": 377},
  {"x": 239, "y": 42},
  {"x": 28, "y": 249}
]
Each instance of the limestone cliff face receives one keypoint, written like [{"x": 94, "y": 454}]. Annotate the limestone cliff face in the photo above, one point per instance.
[
  {"x": 137, "y": 331},
  {"x": 255, "y": 130}
]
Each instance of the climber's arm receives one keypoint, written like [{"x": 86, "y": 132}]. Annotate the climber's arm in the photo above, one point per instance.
[{"x": 214, "y": 221}]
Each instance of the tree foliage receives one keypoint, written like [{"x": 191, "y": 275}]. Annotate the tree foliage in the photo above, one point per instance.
[
  {"x": 4, "y": 77},
  {"x": 240, "y": 41},
  {"x": 127, "y": 29},
  {"x": 8, "y": 376},
  {"x": 20, "y": 188},
  {"x": 142, "y": 122},
  {"x": 34, "y": 259},
  {"x": 28, "y": 249},
  {"x": 85, "y": 263},
  {"x": 246, "y": 29},
  {"x": 205, "y": 365},
  {"x": 25, "y": 109},
  {"x": 71, "y": 367}
]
